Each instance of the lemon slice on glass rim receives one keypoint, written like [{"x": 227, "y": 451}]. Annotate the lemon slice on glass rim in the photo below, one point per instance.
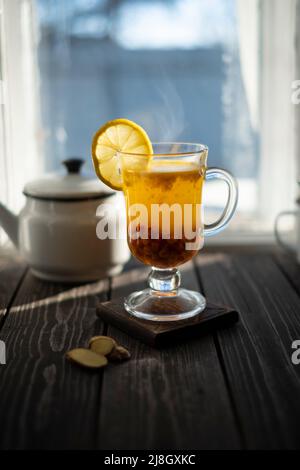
[{"x": 119, "y": 135}]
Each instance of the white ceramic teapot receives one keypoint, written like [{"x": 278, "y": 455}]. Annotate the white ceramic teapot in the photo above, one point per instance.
[{"x": 55, "y": 231}]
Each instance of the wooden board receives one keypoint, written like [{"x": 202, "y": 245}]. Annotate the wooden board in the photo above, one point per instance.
[
  {"x": 45, "y": 401},
  {"x": 161, "y": 334},
  {"x": 175, "y": 398},
  {"x": 264, "y": 384}
]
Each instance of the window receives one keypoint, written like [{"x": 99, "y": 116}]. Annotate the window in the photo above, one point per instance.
[
  {"x": 171, "y": 65},
  {"x": 212, "y": 71}
]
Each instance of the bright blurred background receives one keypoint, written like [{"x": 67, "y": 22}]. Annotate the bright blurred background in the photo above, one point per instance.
[{"x": 218, "y": 72}]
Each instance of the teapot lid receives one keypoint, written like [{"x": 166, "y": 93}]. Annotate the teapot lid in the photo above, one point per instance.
[{"x": 70, "y": 186}]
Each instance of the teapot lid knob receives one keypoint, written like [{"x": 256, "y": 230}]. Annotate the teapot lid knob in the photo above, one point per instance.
[{"x": 73, "y": 165}]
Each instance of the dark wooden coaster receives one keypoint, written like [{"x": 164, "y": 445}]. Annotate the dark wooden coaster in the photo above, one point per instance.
[{"x": 160, "y": 334}]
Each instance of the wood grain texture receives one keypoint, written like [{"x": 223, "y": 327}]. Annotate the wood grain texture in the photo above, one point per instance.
[
  {"x": 264, "y": 383},
  {"x": 11, "y": 274},
  {"x": 240, "y": 389},
  {"x": 290, "y": 267},
  {"x": 46, "y": 401},
  {"x": 170, "y": 399}
]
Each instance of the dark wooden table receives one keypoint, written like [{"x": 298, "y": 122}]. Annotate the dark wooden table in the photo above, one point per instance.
[{"x": 233, "y": 389}]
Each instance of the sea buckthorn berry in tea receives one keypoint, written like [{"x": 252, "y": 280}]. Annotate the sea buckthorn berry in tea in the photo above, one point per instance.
[
  {"x": 172, "y": 202},
  {"x": 162, "y": 253}
]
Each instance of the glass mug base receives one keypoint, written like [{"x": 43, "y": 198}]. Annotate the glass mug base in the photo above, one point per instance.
[{"x": 164, "y": 307}]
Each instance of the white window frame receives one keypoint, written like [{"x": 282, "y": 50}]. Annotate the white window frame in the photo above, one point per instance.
[
  {"x": 21, "y": 157},
  {"x": 278, "y": 134},
  {"x": 276, "y": 27}
]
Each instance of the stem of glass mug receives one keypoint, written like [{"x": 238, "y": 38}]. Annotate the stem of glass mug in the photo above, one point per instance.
[{"x": 164, "y": 282}]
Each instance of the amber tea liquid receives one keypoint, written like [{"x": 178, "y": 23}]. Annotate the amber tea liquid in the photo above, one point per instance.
[{"x": 179, "y": 183}]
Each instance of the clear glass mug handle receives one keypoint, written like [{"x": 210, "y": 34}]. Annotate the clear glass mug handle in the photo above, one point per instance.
[{"x": 232, "y": 200}]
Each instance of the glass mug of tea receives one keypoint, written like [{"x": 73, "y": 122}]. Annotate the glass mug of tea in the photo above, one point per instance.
[{"x": 165, "y": 228}]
